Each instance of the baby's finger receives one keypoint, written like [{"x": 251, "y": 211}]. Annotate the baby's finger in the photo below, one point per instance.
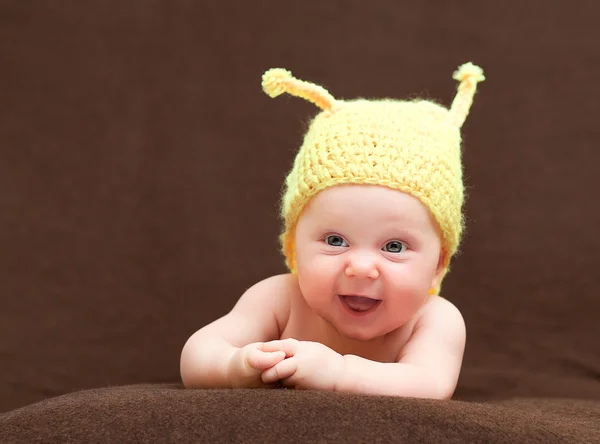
[
  {"x": 289, "y": 346},
  {"x": 260, "y": 360},
  {"x": 283, "y": 370}
]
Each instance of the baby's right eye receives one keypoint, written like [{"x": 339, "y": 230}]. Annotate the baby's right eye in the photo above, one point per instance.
[{"x": 336, "y": 241}]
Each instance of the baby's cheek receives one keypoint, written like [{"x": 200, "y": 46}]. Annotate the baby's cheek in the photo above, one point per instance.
[
  {"x": 317, "y": 275},
  {"x": 317, "y": 264},
  {"x": 410, "y": 282},
  {"x": 406, "y": 301}
]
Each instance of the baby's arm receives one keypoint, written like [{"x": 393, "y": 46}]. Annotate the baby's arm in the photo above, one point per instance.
[
  {"x": 429, "y": 364},
  {"x": 228, "y": 352}
]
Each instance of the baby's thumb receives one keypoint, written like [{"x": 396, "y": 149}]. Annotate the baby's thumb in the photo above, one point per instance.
[{"x": 261, "y": 360}]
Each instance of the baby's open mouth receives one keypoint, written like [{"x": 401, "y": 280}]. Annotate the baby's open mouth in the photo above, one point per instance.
[{"x": 359, "y": 303}]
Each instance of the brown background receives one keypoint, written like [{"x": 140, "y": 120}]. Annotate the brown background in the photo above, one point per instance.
[{"x": 141, "y": 164}]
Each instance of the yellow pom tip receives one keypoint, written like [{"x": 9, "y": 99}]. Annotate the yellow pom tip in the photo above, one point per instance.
[
  {"x": 274, "y": 81},
  {"x": 468, "y": 75},
  {"x": 469, "y": 71}
]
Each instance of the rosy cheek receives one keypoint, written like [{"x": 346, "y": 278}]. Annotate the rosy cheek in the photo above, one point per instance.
[
  {"x": 404, "y": 278},
  {"x": 321, "y": 263}
]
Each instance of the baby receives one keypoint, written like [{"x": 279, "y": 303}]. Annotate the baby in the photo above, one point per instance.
[{"x": 373, "y": 215}]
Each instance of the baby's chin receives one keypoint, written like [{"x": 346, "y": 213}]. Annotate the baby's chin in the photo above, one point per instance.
[
  {"x": 357, "y": 332},
  {"x": 361, "y": 336}
]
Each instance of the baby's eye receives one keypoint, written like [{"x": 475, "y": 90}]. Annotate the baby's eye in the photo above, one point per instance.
[
  {"x": 394, "y": 247},
  {"x": 336, "y": 241}
]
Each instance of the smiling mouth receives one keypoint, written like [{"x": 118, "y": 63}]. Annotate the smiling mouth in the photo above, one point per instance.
[{"x": 359, "y": 304}]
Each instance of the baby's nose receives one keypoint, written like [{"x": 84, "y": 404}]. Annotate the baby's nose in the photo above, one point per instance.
[{"x": 362, "y": 266}]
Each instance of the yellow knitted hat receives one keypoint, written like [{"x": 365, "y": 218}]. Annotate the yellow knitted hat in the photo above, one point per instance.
[{"x": 412, "y": 146}]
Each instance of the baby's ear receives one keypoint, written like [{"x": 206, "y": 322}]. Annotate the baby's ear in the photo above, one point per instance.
[{"x": 440, "y": 270}]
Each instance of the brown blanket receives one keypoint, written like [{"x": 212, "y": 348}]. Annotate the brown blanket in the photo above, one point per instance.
[{"x": 167, "y": 413}]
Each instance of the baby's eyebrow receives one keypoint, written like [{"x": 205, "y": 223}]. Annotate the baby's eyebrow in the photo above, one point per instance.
[
  {"x": 409, "y": 234},
  {"x": 402, "y": 222}
]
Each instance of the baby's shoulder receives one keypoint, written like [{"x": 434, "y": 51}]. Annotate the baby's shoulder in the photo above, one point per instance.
[
  {"x": 440, "y": 318},
  {"x": 437, "y": 308},
  {"x": 281, "y": 286},
  {"x": 275, "y": 293},
  {"x": 439, "y": 325}
]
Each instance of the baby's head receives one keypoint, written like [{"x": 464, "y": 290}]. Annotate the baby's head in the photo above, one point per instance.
[{"x": 392, "y": 164}]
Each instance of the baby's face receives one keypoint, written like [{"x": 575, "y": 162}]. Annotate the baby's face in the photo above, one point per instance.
[{"x": 367, "y": 257}]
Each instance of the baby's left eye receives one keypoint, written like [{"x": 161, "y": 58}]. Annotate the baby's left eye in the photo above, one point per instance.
[{"x": 394, "y": 247}]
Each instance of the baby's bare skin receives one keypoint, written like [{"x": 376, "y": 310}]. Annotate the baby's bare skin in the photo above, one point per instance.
[
  {"x": 272, "y": 311},
  {"x": 301, "y": 330},
  {"x": 301, "y": 323}
]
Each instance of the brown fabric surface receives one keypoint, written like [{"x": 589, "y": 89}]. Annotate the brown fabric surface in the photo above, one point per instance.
[
  {"x": 141, "y": 164},
  {"x": 144, "y": 414}
]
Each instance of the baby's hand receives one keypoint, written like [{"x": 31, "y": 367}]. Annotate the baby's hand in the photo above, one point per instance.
[
  {"x": 248, "y": 362},
  {"x": 308, "y": 365}
]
